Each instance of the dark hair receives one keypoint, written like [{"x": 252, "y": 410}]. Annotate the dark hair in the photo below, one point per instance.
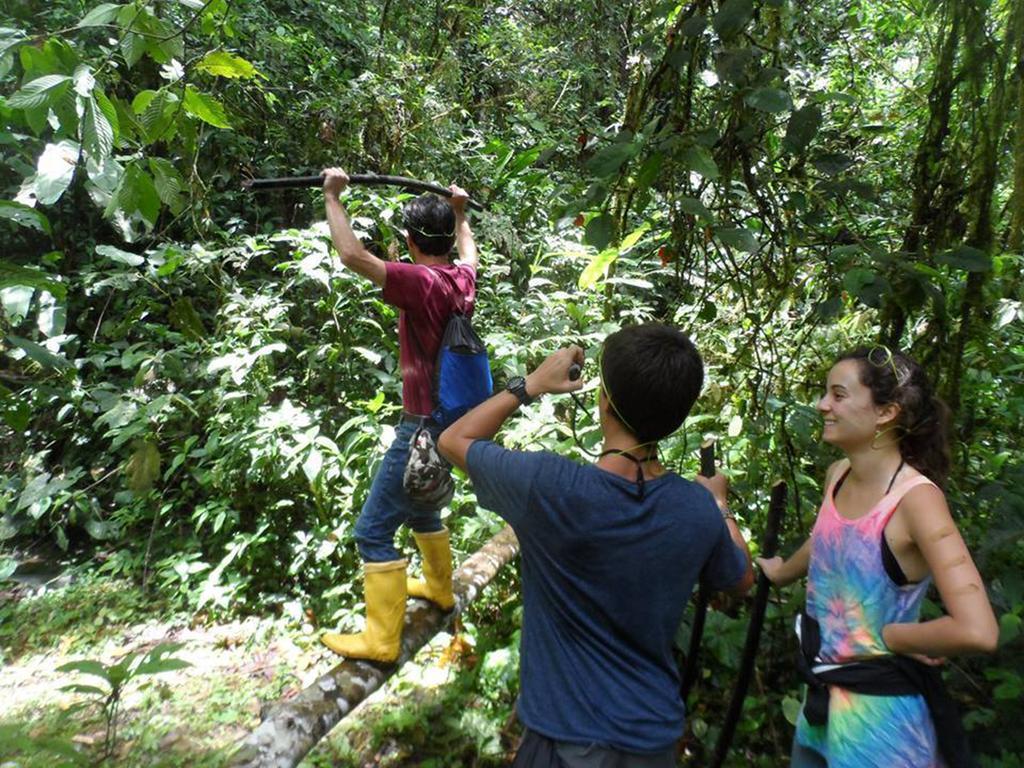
[
  {"x": 430, "y": 222},
  {"x": 652, "y": 375},
  {"x": 923, "y": 421}
]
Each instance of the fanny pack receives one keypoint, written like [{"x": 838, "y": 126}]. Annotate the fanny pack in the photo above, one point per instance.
[{"x": 427, "y": 478}]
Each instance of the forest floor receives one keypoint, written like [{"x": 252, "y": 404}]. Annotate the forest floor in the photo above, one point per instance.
[{"x": 195, "y": 716}]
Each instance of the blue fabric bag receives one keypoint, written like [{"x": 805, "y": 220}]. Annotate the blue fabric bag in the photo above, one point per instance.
[{"x": 462, "y": 375}]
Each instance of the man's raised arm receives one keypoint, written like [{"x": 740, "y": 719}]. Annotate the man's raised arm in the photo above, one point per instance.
[
  {"x": 464, "y": 242},
  {"x": 352, "y": 253}
]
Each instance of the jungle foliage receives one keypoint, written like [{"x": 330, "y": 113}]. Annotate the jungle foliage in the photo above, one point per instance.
[{"x": 194, "y": 392}]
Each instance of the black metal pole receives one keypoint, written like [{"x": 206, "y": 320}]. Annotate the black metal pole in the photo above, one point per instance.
[
  {"x": 700, "y": 611},
  {"x": 776, "y": 510},
  {"x": 358, "y": 179}
]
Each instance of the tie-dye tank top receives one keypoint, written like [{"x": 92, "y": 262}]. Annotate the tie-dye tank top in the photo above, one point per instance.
[{"x": 852, "y": 597}]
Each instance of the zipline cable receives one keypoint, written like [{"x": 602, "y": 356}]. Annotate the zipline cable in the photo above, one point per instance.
[{"x": 357, "y": 179}]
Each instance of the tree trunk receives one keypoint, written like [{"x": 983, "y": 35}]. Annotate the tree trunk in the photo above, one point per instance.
[
  {"x": 927, "y": 163},
  {"x": 289, "y": 729}
]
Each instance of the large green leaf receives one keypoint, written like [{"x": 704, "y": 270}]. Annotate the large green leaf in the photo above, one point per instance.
[
  {"x": 168, "y": 182},
  {"x": 695, "y": 207},
  {"x": 137, "y": 194},
  {"x": 737, "y": 237},
  {"x": 41, "y": 92},
  {"x": 610, "y": 159},
  {"x": 109, "y": 111},
  {"x": 597, "y": 268},
  {"x": 802, "y": 128},
  {"x": 97, "y": 133},
  {"x": 122, "y": 257},
  {"x": 206, "y": 108},
  {"x": 102, "y": 14},
  {"x": 55, "y": 170},
  {"x": 733, "y": 16},
  {"x": 223, "y": 64},
  {"x": 24, "y": 215},
  {"x": 13, "y": 274},
  {"x": 771, "y": 100},
  {"x": 158, "y": 112},
  {"x": 599, "y": 231},
  {"x": 40, "y": 354},
  {"x": 967, "y": 258},
  {"x": 698, "y": 159}
]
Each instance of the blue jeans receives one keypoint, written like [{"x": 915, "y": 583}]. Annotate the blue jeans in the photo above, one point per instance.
[{"x": 387, "y": 507}]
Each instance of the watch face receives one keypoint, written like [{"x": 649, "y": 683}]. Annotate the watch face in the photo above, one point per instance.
[{"x": 515, "y": 382}]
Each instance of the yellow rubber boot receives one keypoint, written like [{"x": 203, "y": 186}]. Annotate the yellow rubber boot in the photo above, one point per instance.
[
  {"x": 384, "y": 585},
  {"x": 437, "y": 570}
]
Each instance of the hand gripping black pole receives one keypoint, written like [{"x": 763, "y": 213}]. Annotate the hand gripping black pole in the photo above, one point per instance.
[
  {"x": 700, "y": 611},
  {"x": 776, "y": 510},
  {"x": 357, "y": 179}
]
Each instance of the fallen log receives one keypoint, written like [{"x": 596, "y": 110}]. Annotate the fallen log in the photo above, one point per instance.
[{"x": 290, "y": 729}]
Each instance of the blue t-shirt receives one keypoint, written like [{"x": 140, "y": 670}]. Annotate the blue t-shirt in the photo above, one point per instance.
[{"x": 606, "y": 578}]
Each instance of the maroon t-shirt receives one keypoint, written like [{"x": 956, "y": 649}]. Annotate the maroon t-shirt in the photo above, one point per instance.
[{"x": 426, "y": 297}]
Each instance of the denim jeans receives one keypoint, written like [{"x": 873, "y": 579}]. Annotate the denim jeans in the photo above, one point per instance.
[{"x": 387, "y": 507}]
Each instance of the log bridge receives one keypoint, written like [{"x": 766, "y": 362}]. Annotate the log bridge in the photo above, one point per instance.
[{"x": 291, "y": 728}]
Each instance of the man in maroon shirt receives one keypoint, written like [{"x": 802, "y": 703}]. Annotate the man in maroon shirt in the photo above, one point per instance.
[{"x": 426, "y": 293}]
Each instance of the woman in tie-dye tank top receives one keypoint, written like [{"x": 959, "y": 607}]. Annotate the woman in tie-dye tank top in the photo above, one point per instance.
[{"x": 882, "y": 534}]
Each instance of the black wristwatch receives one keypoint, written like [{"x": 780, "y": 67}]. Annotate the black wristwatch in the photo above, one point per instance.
[{"x": 517, "y": 386}]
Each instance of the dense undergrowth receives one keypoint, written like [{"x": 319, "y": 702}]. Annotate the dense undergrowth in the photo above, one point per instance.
[{"x": 195, "y": 393}]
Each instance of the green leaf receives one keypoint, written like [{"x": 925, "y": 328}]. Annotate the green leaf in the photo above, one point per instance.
[
  {"x": 832, "y": 163},
  {"x": 695, "y": 207},
  {"x": 802, "y": 128},
  {"x": 223, "y": 64},
  {"x": 163, "y": 665},
  {"x": 868, "y": 286},
  {"x": 159, "y": 109},
  {"x": 735, "y": 426},
  {"x": 694, "y": 25},
  {"x": 740, "y": 238},
  {"x": 733, "y": 17},
  {"x": 206, "y": 108},
  {"x": 634, "y": 237},
  {"x": 109, "y": 111},
  {"x": 967, "y": 258},
  {"x": 698, "y": 159},
  {"x": 9, "y": 38},
  {"x": 102, "y": 14},
  {"x": 137, "y": 193},
  {"x": 123, "y": 257},
  {"x": 17, "y": 412},
  {"x": 599, "y": 231},
  {"x": 86, "y": 667},
  {"x": 610, "y": 159},
  {"x": 771, "y": 100},
  {"x": 168, "y": 182},
  {"x": 24, "y": 215},
  {"x": 791, "y": 709},
  {"x": 12, "y": 274},
  {"x": 97, "y": 133},
  {"x": 101, "y": 530},
  {"x": 40, "y": 354},
  {"x": 55, "y": 170},
  {"x": 41, "y": 92},
  {"x": 132, "y": 48},
  {"x": 597, "y": 268}
]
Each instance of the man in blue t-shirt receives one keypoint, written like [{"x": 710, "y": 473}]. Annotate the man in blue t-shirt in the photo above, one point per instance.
[{"x": 610, "y": 552}]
